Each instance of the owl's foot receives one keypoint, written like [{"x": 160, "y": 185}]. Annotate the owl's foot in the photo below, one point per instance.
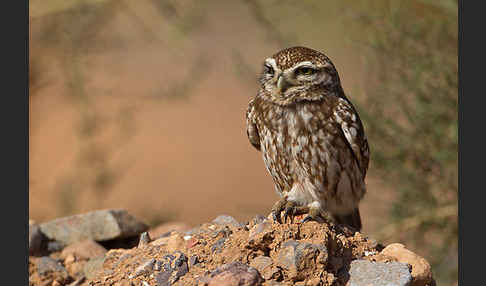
[
  {"x": 292, "y": 210},
  {"x": 277, "y": 209},
  {"x": 313, "y": 214},
  {"x": 289, "y": 209}
]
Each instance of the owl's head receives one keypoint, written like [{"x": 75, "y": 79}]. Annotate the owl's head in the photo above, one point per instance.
[{"x": 298, "y": 73}]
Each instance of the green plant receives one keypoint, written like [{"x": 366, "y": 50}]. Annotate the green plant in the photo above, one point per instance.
[{"x": 411, "y": 117}]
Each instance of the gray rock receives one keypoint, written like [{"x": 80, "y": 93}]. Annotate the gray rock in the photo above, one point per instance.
[
  {"x": 180, "y": 266},
  {"x": 92, "y": 267},
  {"x": 294, "y": 256},
  {"x": 224, "y": 232},
  {"x": 143, "y": 269},
  {"x": 55, "y": 246},
  {"x": 163, "y": 278},
  {"x": 264, "y": 265},
  {"x": 37, "y": 241},
  {"x": 97, "y": 225},
  {"x": 193, "y": 260},
  {"x": 364, "y": 272},
  {"x": 158, "y": 265},
  {"x": 234, "y": 273},
  {"x": 174, "y": 267},
  {"x": 287, "y": 256},
  {"x": 258, "y": 219},
  {"x": 227, "y": 220},
  {"x": 181, "y": 271},
  {"x": 48, "y": 265},
  {"x": 218, "y": 245},
  {"x": 181, "y": 258},
  {"x": 260, "y": 229},
  {"x": 261, "y": 262},
  {"x": 144, "y": 239}
]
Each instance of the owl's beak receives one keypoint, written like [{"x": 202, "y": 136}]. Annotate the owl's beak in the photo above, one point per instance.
[{"x": 282, "y": 84}]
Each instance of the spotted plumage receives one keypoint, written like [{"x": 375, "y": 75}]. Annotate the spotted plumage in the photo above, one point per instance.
[{"x": 311, "y": 137}]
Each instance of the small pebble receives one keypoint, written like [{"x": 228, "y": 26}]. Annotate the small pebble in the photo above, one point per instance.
[
  {"x": 368, "y": 253},
  {"x": 216, "y": 247},
  {"x": 193, "y": 260},
  {"x": 144, "y": 239},
  {"x": 158, "y": 265}
]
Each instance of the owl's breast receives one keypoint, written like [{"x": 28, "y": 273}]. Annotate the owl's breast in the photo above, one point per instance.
[
  {"x": 302, "y": 145},
  {"x": 293, "y": 145},
  {"x": 276, "y": 151}
]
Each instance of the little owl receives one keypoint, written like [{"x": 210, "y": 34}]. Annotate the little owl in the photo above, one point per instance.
[{"x": 311, "y": 137}]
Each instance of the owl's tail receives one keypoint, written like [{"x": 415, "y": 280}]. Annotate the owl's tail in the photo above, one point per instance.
[{"x": 353, "y": 219}]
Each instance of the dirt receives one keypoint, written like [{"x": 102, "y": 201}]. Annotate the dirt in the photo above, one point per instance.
[{"x": 292, "y": 253}]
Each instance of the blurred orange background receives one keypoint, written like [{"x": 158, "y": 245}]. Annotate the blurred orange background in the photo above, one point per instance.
[{"x": 141, "y": 106}]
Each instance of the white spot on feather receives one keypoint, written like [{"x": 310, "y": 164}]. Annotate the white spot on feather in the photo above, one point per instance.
[
  {"x": 303, "y": 140},
  {"x": 338, "y": 118},
  {"x": 306, "y": 116}
]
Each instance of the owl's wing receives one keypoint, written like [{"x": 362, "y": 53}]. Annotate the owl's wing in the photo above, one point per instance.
[
  {"x": 251, "y": 127},
  {"x": 353, "y": 130}
]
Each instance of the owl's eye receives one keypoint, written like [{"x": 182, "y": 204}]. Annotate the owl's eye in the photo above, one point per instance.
[
  {"x": 305, "y": 71},
  {"x": 268, "y": 69}
]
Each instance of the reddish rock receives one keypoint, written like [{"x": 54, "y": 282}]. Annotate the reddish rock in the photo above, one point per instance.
[
  {"x": 233, "y": 274},
  {"x": 192, "y": 242},
  {"x": 421, "y": 270}
]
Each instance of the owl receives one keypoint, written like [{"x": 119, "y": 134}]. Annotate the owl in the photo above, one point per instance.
[{"x": 311, "y": 138}]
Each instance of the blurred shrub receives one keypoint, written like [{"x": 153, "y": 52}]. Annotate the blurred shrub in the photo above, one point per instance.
[{"x": 411, "y": 121}]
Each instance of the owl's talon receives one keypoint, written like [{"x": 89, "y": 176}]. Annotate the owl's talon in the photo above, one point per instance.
[
  {"x": 278, "y": 208},
  {"x": 276, "y": 217},
  {"x": 306, "y": 219},
  {"x": 289, "y": 213},
  {"x": 314, "y": 214}
]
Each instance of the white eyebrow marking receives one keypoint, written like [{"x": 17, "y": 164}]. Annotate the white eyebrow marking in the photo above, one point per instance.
[
  {"x": 306, "y": 63},
  {"x": 271, "y": 62}
]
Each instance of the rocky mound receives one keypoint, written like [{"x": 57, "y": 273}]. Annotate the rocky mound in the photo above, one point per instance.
[{"x": 223, "y": 252}]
